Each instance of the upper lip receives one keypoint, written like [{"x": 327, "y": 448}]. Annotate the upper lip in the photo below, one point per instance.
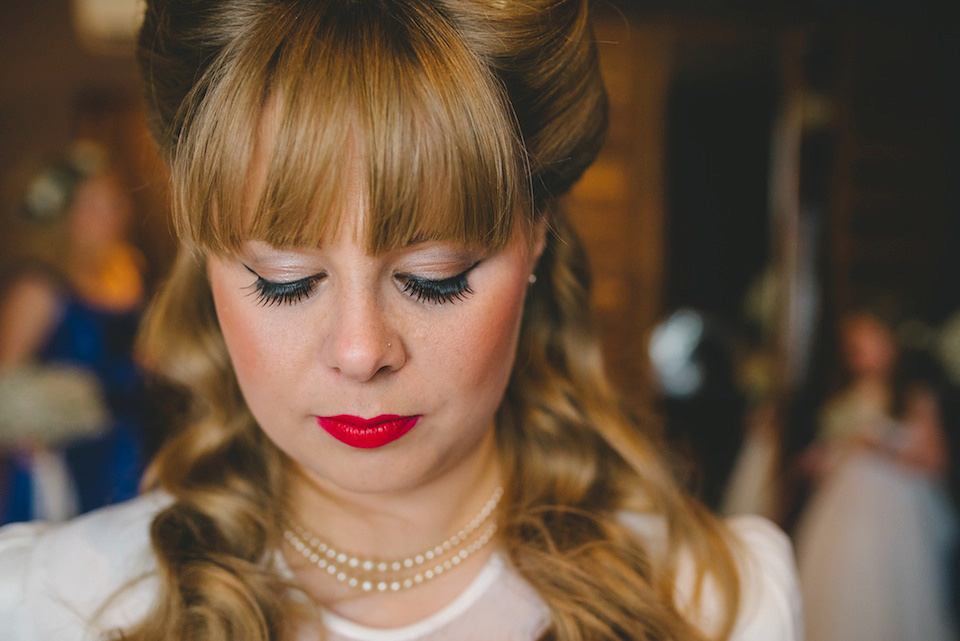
[{"x": 358, "y": 421}]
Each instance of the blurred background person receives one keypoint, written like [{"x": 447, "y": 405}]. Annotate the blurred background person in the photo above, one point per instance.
[
  {"x": 70, "y": 309},
  {"x": 876, "y": 538}
]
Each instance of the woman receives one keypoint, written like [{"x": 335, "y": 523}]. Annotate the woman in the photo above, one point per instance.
[
  {"x": 875, "y": 541},
  {"x": 67, "y": 324},
  {"x": 402, "y": 429}
]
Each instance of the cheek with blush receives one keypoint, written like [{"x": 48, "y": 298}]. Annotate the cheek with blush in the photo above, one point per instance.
[
  {"x": 489, "y": 343},
  {"x": 257, "y": 350}
]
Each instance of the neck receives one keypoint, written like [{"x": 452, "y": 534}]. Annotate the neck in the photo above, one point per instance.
[
  {"x": 396, "y": 523},
  {"x": 390, "y": 526}
]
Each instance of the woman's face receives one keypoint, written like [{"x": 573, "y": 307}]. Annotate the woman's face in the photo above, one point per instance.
[
  {"x": 374, "y": 373},
  {"x": 870, "y": 349},
  {"x": 99, "y": 214}
]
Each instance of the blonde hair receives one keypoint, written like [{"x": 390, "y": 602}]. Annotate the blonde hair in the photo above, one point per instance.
[{"x": 471, "y": 118}]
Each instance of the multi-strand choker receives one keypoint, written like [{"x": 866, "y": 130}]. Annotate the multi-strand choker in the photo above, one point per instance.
[{"x": 383, "y": 575}]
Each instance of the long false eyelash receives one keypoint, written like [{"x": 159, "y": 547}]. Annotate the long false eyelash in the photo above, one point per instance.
[
  {"x": 269, "y": 293},
  {"x": 447, "y": 290},
  {"x": 437, "y": 291}
]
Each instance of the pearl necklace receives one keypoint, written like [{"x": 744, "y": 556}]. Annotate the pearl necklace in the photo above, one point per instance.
[{"x": 380, "y": 575}]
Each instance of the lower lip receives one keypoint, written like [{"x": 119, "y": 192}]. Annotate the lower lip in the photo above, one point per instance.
[{"x": 367, "y": 433}]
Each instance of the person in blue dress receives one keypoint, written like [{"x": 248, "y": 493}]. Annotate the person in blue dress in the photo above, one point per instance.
[{"x": 72, "y": 307}]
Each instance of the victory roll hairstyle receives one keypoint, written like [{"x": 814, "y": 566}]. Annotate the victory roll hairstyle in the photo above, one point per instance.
[{"x": 464, "y": 120}]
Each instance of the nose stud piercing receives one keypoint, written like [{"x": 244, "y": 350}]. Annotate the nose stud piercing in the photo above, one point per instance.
[{"x": 389, "y": 344}]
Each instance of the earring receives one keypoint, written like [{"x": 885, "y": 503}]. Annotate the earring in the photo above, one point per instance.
[{"x": 532, "y": 278}]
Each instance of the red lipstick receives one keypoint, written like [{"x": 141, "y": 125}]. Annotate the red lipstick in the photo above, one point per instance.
[{"x": 367, "y": 432}]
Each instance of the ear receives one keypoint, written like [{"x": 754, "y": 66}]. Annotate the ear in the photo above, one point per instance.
[{"x": 538, "y": 240}]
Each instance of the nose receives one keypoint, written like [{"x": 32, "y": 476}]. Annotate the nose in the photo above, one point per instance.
[{"x": 362, "y": 342}]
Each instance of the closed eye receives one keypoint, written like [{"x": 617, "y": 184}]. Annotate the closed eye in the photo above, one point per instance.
[
  {"x": 438, "y": 291},
  {"x": 270, "y": 292}
]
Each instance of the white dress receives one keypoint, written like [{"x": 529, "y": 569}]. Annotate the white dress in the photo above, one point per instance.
[
  {"x": 873, "y": 548},
  {"x": 64, "y": 582},
  {"x": 875, "y": 540}
]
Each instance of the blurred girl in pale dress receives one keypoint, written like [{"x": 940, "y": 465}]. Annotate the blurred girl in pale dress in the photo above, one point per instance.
[{"x": 874, "y": 542}]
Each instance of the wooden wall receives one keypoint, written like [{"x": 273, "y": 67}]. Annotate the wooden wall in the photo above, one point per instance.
[{"x": 618, "y": 206}]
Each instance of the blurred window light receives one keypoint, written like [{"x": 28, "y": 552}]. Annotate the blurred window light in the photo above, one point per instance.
[{"x": 671, "y": 348}]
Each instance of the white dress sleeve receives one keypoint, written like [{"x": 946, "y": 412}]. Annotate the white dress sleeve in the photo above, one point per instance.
[
  {"x": 16, "y": 551},
  {"x": 770, "y": 601},
  {"x": 77, "y": 580},
  {"x": 770, "y": 604}
]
